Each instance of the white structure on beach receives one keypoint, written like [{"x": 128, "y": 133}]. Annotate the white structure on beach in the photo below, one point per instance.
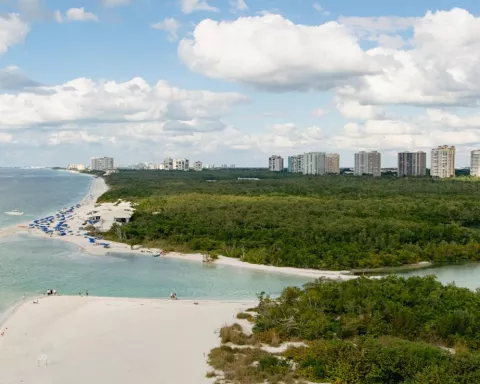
[
  {"x": 76, "y": 167},
  {"x": 101, "y": 163}
]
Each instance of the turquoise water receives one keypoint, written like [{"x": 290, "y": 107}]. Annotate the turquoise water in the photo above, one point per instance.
[
  {"x": 38, "y": 192},
  {"x": 31, "y": 265}
]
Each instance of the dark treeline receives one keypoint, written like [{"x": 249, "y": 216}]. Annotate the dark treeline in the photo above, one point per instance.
[
  {"x": 336, "y": 222},
  {"x": 391, "y": 330}
]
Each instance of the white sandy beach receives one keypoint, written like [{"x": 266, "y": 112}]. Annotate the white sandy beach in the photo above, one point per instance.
[
  {"x": 98, "y": 188},
  {"x": 112, "y": 340}
]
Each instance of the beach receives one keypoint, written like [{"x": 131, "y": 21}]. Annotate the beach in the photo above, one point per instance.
[
  {"x": 65, "y": 339},
  {"x": 88, "y": 204}
]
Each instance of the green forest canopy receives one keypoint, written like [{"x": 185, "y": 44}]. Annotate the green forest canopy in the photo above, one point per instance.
[
  {"x": 330, "y": 222},
  {"x": 374, "y": 331}
]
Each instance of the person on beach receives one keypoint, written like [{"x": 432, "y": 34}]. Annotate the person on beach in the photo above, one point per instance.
[{"x": 86, "y": 292}]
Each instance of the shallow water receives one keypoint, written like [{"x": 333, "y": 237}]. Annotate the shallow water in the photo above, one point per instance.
[
  {"x": 465, "y": 275},
  {"x": 30, "y": 265},
  {"x": 38, "y": 192}
]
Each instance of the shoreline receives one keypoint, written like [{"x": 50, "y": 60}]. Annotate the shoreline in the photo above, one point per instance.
[
  {"x": 87, "y": 204},
  {"x": 151, "y": 337}
]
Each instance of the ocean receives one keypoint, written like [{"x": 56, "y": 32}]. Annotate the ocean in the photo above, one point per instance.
[{"x": 31, "y": 265}]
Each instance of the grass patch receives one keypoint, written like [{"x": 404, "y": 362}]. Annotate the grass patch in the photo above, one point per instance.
[
  {"x": 246, "y": 316},
  {"x": 251, "y": 365},
  {"x": 234, "y": 334}
]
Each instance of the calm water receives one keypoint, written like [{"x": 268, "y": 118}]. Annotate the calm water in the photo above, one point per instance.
[
  {"x": 38, "y": 192},
  {"x": 32, "y": 265},
  {"x": 466, "y": 275}
]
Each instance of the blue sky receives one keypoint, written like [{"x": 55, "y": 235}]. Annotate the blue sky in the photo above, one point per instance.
[{"x": 239, "y": 80}]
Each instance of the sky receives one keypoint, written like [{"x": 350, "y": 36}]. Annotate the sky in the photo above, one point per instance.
[{"x": 236, "y": 81}]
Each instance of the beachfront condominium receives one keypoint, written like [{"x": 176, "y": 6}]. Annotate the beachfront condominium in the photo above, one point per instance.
[
  {"x": 275, "y": 163},
  {"x": 181, "y": 164},
  {"x": 443, "y": 162},
  {"x": 101, "y": 163},
  {"x": 475, "y": 163},
  {"x": 333, "y": 163},
  {"x": 412, "y": 164},
  {"x": 368, "y": 163},
  {"x": 295, "y": 164},
  {"x": 314, "y": 163}
]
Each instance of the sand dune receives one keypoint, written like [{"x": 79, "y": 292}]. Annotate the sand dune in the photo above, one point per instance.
[{"x": 112, "y": 340}]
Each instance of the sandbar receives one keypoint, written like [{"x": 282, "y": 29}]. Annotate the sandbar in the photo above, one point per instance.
[{"x": 73, "y": 339}]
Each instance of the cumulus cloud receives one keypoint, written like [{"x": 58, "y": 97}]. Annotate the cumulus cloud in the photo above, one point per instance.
[
  {"x": 83, "y": 101},
  {"x": 273, "y": 53},
  {"x": 436, "y": 66},
  {"x": 75, "y": 14},
  {"x": 189, "y": 6},
  {"x": 169, "y": 25},
  {"x": 352, "y": 109},
  {"x": 12, "y": 31}
]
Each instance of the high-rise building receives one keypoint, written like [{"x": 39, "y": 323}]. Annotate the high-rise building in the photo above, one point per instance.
[
  {"x": 295, "y": 164},
  {"x": 181, "y": 165},
  {"x": 333, "y": 163},
  {"x": 475, "y": 163},
  {"x": 275, "y": 163},
  {"x": 368, "y": 163},
  {"x": 198, "y": 166},
  {"x": 168, "y": 164},
  {"x": 443, "y": 162},
  {"x": 412, "y": 164},
  {"x": 101, "y": 163},
  {"x": 314, "y": 163}
]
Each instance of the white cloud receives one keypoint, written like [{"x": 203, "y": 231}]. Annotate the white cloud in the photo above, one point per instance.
[
  {"x": 76, "y": 137},
  {"x": 82, "y": 102},
  {"x": 12, "y": 31},
  {"x": 114, "y": 3},
  {"x": 79, "y": 14},
  {"x": 440, "y": 68},
  {"x": 437, "y": 66},
  {"x": 273, "y": 53},
  {"x": 169, "y": 25},
  {"x": 352, "y": 109},
  {"x": 238, "y": 5},
  {"x": 189, "y": 6}
]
